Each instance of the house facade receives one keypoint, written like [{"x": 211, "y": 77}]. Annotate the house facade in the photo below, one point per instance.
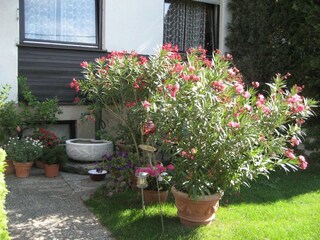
[{"x": 45, "y": 40}]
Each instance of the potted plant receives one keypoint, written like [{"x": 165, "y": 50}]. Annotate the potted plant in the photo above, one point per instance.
[
  {"x": 23, "y": 152},
  {"x": 159, "y": 182},
  {"x": 223, "y": 134},
  {"x": 48, "y": 139},
  {"x": 53, "y": 157}
]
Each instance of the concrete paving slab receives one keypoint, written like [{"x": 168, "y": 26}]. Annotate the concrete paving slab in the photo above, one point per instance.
[{"x": 42, "y": 208}]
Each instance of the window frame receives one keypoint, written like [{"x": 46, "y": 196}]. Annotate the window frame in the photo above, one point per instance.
[{"x": 61, "y": 44}]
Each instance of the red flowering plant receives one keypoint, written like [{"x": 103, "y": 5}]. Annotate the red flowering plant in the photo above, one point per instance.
[
  {"x": 222, "y": 132},
  {"x": 52, "y": 153},
  {"x": 48, "y": 138},
  {"x": 160, "y": 173}
]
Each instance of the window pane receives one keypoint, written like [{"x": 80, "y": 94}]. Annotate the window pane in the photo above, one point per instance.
[
  {"x": 40, "y": 19},
  {"x": 61, "y": 20},
  {"x": 174, "y": 23},
  {"x": 195, "y": 24},
  {"x": 191, "y": 24},
  {"x": 78, "y": 21}
]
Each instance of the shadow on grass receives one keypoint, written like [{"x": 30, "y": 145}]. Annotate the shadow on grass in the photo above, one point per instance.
[
  {"x": 123, "y": 215},
  {"x": 280, "y": 186}
]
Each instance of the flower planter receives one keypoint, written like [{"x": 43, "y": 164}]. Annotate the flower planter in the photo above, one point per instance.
[
  {"x": 88, "y": 150},
  {"x": 151, "y": 196},
  {"x": 97, "y": 176},
  {"x": 51, "y": 170},
  {"x": 9, "y": 169},
  {"x": 196, "y": 213},
  {"x": 22, "y": 168}
]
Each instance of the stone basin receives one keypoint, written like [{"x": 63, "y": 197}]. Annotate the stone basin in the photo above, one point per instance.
[{"x": 88, "y": 150}]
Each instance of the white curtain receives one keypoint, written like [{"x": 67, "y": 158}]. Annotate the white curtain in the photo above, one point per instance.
[
  {"x": 61, "y": 20},
  {"x": 184, "y": 23}
]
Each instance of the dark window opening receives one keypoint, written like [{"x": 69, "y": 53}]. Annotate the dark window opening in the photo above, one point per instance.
[{"x": 191, "y": 24}]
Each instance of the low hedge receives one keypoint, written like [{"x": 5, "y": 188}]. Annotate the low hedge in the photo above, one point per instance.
[{"x": 4, "y": 234}]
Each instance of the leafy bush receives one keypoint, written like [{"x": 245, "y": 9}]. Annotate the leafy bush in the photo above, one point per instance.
[
  {"x": 9, "y": 118},
  {"x": 4, "y": 234},
  {"x": 277, "y": 36},
  {"x": 54, "y": 155},
  {"x": 33, "y": 112}
]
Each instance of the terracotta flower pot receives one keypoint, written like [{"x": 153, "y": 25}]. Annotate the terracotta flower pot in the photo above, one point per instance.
[
  {"x": 151, "y": 196},
  {"x": 9, "y": 169},
  {"x": 195, "y": 213},
  {"x": 22, "y": 168},
  {"x": 51, "y": 170}
]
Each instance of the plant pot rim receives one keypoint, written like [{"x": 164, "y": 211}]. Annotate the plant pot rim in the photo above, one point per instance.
[
  {"x": 94, "y": 172},
  {"x": 215, "y": 196},
  {"x": 14, "y": 161}
]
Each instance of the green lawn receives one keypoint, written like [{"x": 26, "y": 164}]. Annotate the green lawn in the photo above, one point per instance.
[{"x": 285, "y": 207}]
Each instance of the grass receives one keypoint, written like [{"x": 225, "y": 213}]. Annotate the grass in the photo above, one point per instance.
[{"x": 285, "y": 207}]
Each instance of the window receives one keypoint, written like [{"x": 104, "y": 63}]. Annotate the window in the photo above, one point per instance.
[
  {"x": 191, "y": 24},
  {"x": 67, "y": 22}
]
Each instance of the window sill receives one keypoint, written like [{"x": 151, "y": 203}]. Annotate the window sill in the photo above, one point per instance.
[{"x": 61, "y": 46}]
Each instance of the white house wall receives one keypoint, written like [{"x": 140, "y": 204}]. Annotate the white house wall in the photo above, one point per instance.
[
  {"x": 133, "y": 25},
  {"x": 9, "y": 37}
]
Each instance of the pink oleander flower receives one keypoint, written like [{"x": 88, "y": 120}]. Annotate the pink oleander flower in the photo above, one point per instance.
[
  {"x": 294, "y": 141},
  {"x": 246, "y": 94},
  {"x": 290, "y": 154},
  {"x": 233, "y": 72},
  {"x": 143, "y": 60},
  {"x": 298, "y": 108},
  {"x": 247, "y": 107},
  {"x": 266, "y": 110},
  {"x": 84, "y": 64},
  {"x": 170, "y": 167},
  {"x": 239, "y": 87},
  {"x": 146, "y": 105},
  {"x": 173, "y": 90},
  {"x": 261, "y": 100},
  {"x": 195, "y": 78},
  {"x": 255, "y": 84},
  {"x": 218, "y": 85},
  {"x": 303, "y": 164},
  {"x": 130, "y": 104},
  {"x": 294, "y": 99},
  {"x": 300, "y": 121},
  {"x": 76, "y": 100},
  {"x": 191, "y": 69},
  {"x": 186, "y": 77},
  {"x": 74, "y": 84},
  {"x": 234, "y": 125},
  {"x": 178, "y": 67}
]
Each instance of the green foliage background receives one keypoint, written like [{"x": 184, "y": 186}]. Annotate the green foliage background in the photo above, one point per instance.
[{"x": 277, "y": 36}]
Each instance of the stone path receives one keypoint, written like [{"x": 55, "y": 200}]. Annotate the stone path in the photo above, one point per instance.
[{"x": 42, "y": 208}]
